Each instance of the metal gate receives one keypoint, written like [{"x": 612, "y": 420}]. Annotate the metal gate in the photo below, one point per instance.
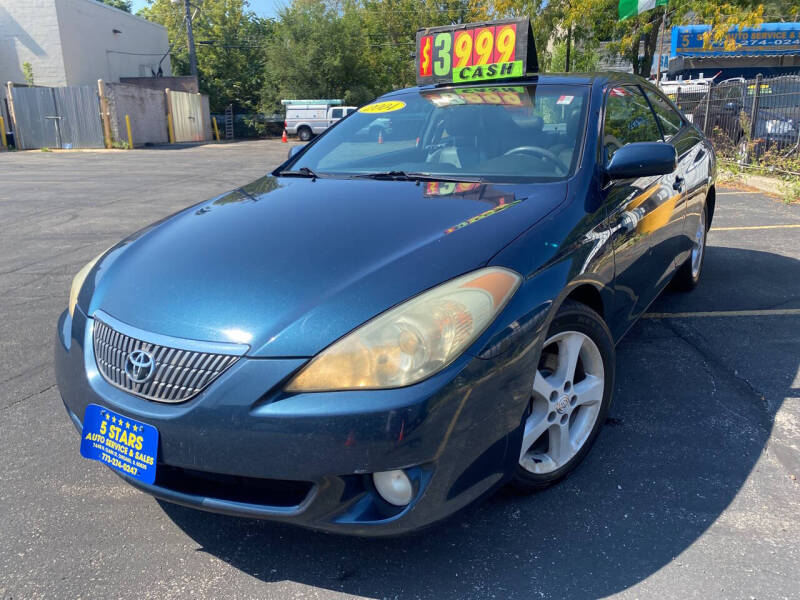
[
  {"x": 187, "y": 116},
  {"x": 65, "y": 117}
]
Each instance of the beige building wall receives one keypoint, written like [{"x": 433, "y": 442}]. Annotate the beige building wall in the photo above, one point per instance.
[
  {"x": 29, "y": 33},
  {"x": 101, "y": 42},
  {"x": 76, "y": 42}
]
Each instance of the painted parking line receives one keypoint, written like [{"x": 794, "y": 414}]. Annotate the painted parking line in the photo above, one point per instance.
[
  {"x": 743, "y": 227},
  {"x": 777, "y": 312}
]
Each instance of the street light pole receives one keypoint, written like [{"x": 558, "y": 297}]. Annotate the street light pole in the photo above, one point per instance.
[{"x": 190, "y": 38}]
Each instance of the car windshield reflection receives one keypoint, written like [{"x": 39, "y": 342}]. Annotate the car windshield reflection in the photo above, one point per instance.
[{"x": 497, "y": 134}]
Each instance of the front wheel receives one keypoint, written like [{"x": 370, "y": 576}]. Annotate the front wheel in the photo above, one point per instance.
[
  {"x": 571, "y": 395},
  {"x": 304, "y": 133}
]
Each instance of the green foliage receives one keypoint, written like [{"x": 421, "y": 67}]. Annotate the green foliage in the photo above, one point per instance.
[
  {"x": 358, "y": 49},
  {"x": 27, "y": 71},
  {"x": 318, "y": 51},
  {"x": 354, "y": 50},
  {"x": 120, "y": 145},
  {"x": 581, "y": 58},
  {"x": 120, "y": 4},
  {"x": 230, "y": 41},
  {"x": 790, "y": 189}
]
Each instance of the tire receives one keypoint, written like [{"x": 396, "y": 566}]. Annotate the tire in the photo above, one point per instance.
[
  {"x": 304, "y": 133},
  {"x": 688, "y": 274},
  {"x": 569, "y": 406}
]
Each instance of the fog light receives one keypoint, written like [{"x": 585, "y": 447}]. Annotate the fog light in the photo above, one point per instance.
[{"x": 394, "y": 487}]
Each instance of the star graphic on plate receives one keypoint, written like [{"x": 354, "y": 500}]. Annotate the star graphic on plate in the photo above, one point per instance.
[
  {"x": 114, "y": 419},
  {"x": 128, "y": 425},
  {"x": 106, "y": 416}
]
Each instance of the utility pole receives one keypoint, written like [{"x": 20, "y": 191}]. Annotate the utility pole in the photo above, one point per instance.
[
  {"x": 190, "y": 38},
  {"x": 661, "y": 44}
]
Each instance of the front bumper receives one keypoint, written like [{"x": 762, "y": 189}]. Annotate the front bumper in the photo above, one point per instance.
[{"x": 243, "y": 447}]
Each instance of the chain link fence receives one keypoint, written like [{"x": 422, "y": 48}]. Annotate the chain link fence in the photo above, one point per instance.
[{"x": 750, "y": 121}]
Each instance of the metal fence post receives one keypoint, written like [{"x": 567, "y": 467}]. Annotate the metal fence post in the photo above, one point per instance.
[
  {"x": 754, "y": 111},
  {"x": 170, "y": 125},
  {"x": 12, "y": 120},
  {"x": 104, "y": 113},
  {"x": 708, "y": 105}
]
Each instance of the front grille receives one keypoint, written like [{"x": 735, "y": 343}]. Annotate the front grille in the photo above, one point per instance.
[
  {"x": 265, "y": 492},
  {"x": 178, "y": 374}
]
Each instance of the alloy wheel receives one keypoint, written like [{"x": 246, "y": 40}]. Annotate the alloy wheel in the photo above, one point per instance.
[
  {"x": 567, "y": 396},
  {"x": 699, "y": 245}
]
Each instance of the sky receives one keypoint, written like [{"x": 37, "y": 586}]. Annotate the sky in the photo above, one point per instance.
[{"x": 263, "y": 8}]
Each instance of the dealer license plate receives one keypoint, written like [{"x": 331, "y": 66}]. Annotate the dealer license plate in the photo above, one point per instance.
[{"x": 122, "y": 443}]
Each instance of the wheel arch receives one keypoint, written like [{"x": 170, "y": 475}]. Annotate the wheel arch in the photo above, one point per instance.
[
  {"x": 589, "y": 295},
  {"x": 711, "y": 201}
]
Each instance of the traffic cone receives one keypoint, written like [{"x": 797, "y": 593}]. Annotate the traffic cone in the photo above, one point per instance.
[
  {"x": 380, "y": 137},
  {"x": 284, "y": 138}
]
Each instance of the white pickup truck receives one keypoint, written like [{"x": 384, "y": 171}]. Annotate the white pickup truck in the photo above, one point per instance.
[{"x": 306, "y": 118}]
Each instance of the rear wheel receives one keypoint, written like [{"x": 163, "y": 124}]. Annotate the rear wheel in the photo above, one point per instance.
[
  {"x": 304, "y": 133},
  {"x": 688, "y": 275},
  {"x": 570, "y": 398}
]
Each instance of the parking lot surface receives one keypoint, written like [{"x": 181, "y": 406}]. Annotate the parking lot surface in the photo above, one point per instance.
[{"x": 690, "y": 492}]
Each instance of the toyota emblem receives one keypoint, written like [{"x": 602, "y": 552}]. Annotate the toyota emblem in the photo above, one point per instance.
[{"x": 139, "y": 366}]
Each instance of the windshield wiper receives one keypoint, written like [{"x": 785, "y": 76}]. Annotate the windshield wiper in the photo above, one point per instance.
[
  {"x": 406, "y": 176},
  {"x": 301, "y": 172}
]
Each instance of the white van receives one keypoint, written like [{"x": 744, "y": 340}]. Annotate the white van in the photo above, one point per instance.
[{"x": 306, "y": 118}]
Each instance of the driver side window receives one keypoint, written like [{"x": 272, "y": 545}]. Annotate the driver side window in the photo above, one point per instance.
[{"x": 628, "y": 119}]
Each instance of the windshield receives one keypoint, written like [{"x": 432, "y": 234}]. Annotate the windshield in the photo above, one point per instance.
[{"x": 508, "y": 133}]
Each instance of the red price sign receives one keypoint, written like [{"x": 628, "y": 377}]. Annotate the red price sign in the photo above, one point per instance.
[{"x": 475, "y": 52}]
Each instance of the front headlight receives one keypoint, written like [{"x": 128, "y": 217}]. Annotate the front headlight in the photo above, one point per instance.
[
  {"x": 778, "y": 127},
  {"x": 77, "y": 282},
  {"x": 415, "y": 339}
]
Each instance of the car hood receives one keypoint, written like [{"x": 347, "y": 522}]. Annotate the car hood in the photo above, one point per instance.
[{"x": 289, "y": 265}]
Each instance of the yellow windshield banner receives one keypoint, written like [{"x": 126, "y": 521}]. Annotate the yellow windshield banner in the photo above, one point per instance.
[{"x": 382, "y": 107}]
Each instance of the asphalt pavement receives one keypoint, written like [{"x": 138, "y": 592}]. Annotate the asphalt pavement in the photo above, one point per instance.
[{"x": 691, "y": 491}]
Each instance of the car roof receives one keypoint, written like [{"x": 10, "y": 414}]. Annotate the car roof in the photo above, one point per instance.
[{"x": 599, "y": 77}]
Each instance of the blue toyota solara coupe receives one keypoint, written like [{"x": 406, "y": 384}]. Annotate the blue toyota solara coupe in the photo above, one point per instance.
[{"x": 417, "y": 307}]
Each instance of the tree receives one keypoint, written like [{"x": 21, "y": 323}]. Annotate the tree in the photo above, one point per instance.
[
  {"x": 391, "y": 27},
  {"x": 544, "y": 20},
  {"x": 350, "y": 49},
  {"x": 636, "y": 38},
  {"x": 120, "y": 4},
  {"x": 319, "y": 50},
  {"x": 230, "y": 41}
]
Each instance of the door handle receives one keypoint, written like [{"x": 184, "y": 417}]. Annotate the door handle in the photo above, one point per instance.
[
  {"x": 677, "y": 184},
  {"x": 700, "y": 154}
]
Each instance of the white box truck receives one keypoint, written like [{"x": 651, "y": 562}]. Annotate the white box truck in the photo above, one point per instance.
[{"x": 306, "y": 118}]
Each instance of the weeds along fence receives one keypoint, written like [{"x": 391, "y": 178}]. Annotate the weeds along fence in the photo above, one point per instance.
[{"x": 751, "y": 121}]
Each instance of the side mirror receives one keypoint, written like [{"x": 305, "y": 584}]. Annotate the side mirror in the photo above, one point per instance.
[
  {"x": 294, "y": 150},
  {"x": 642, "y": 159}
]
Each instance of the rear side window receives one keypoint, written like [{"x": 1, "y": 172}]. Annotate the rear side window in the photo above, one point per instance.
[
  {"x": 669, "y": 120},
  {"x": 628, "y": 119},
  {"x": 336, "y": 113}
]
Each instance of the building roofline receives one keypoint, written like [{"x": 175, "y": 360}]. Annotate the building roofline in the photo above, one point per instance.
[{"x": 120, "y": 12}]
